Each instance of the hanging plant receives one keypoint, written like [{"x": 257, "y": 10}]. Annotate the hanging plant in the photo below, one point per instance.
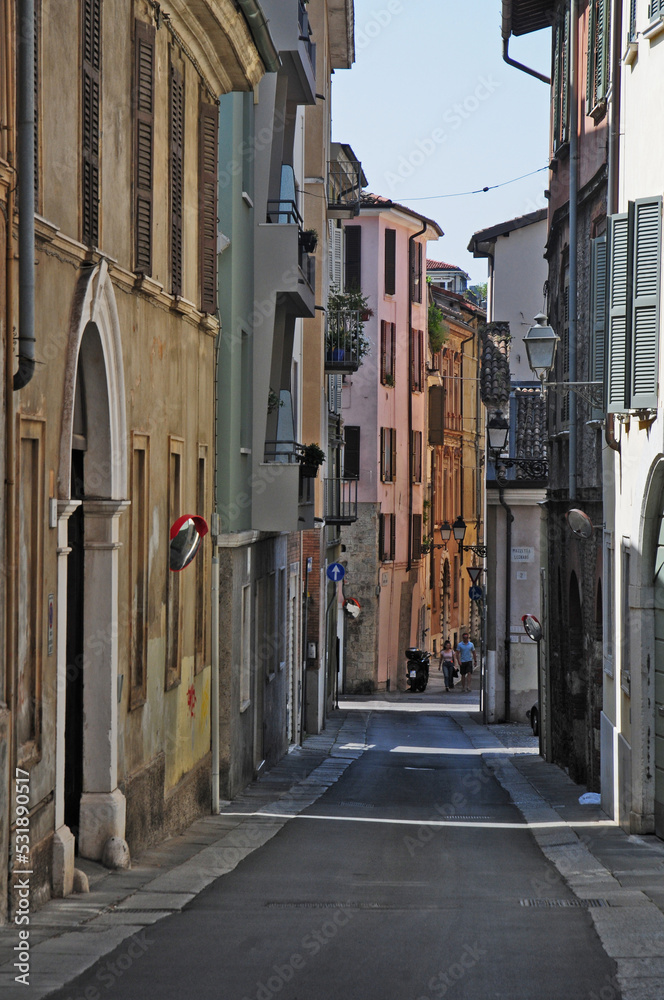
[{"x": 439, "y": 331}]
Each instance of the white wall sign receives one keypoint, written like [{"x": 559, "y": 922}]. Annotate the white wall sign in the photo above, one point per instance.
[
  {"x": 523, "y": 553},
  {"x": 521, "y": 574}
]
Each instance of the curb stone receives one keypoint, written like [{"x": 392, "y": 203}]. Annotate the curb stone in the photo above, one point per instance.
[
  {"x": 68, "y": 936},
  {"x": 631, "y": 926}
]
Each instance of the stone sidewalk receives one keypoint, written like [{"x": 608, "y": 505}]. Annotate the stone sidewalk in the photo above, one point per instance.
[{"x": 620, "y": 878}]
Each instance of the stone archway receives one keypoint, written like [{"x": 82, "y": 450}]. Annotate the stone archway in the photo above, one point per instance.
[{"x": 94, "y": 429}]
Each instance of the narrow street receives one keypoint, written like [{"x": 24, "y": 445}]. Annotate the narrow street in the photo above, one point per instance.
[{"x": 412, "y": 876}]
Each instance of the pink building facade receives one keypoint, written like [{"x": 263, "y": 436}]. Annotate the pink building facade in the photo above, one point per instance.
[{"x": 384, "y": 410}]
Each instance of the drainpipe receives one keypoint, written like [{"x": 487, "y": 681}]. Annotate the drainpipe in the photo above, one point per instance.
[
  {"x": 6, "y": 671},
  {"x": 518, "y": 65},
  {"x": 573, "y": 235},
  {"x": 411, "y": 244},
  {"x": 26, "y": 192},
  {"x": 260, "y": 33},
  {"x": 614, "y": 159},
  {"x": 509, "y": 517},
  {"x": 214, "y": 683}
]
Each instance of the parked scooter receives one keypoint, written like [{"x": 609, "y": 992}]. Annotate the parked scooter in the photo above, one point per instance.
[{"x": 417, "y": 668}]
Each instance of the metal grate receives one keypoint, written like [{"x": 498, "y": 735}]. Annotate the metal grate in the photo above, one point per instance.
[{"x": 586, "y": 903}]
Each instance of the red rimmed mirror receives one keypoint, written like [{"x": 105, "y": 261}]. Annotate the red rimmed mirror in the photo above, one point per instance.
[{"x": 186, "y": 534}]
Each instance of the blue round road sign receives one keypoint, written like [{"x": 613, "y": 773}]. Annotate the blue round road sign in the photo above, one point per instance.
[
  {"x": 475, "y": 593},
  {"x": 335, "y": 572}
]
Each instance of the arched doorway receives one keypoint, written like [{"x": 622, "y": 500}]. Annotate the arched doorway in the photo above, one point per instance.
[{"x": 92, "y": 489}]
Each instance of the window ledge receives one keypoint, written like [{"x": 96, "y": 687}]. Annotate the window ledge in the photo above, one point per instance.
[
  {"x": 245, "y": 705},
  {"x": 654, "y": 29},
  {"x": 631, "y": 53},
  {"x": 598, "y": 112}
]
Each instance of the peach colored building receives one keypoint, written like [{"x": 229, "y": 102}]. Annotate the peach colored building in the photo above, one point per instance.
[{"x": 384, "y": 413}]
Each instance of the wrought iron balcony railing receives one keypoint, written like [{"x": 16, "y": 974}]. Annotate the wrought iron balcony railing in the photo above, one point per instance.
[
  {"x": 342, "y": 341},
  {"x": 340, "y": 501},
  {"x": 343, "y": 188}
]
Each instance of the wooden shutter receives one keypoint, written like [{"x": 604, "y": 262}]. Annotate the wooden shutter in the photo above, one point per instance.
[
  {"x": 353, "y": 262},
  {"x": 436, "y": 414},
  {"x": 177, "y": 175},
  {"x": 144, "y": 40},
  {"x": 381, "y": 537},
  {"x": 383, "y": 349},
  {"x": 618, "y": 317},
  {"x": 417, "y": 536},
  {"x": 91, "y": 96},
  {"x": 383, "y": 454},
  {"x": 390, "y": 261},
  {"x": 415, "y": 271},
  {"x": 336, "y": 256},
  {"x": 352, "y": 452},
  {"x": 598, "y": 306},
  {"x": 412, "y": 360},
  {"x": 645, "y": 307},
  {"x": 208, "y": 124},
  {"x": 597, "y": 65},
  {"x": 420, "y": 345},
  {"x": 393, "y": 536},
  {"x": 393, "y": 454},
  {"x": 392, "y": 352}
]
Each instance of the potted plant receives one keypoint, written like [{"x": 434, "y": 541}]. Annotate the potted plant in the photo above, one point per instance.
[
  {"x": 309, "y": 240},
  {"x": 311, "y": 458},
  {"x": 347, "y": 313}
]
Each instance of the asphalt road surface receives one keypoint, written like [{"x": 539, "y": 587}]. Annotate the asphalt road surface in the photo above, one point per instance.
[{"x": 404, "y": 881}]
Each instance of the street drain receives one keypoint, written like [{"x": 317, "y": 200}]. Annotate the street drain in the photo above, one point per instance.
[{"x": 565, "y": 902}]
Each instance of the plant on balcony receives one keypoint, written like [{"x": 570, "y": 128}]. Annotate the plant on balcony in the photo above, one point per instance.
[
  {"x": 426, "y": 544},
  {"x": 311, "y": 458},
  {"x": 439, "y": 331},
  {"x": 309, "y": 240},
  {"x": 273, "y": 401},
  {"x": 346, "y": 339}
]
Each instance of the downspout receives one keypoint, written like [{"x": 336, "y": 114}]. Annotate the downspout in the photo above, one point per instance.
[
  {"x": 509, "y": 517},
  {"x": 614, "y": 160},
  {"x": 573, "y": 235},
  {"x": 524, "y": 69},
  {"x": 25, "y": 85},
  {"x": 260, "y": 33},
  {"x": 409, "y": 387},
  {"x": 6, "y": 672}
]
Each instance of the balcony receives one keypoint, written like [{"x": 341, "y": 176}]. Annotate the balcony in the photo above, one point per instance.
[
  {"x": 291, "y": 33},
  {"x": 343, "y": 188},
  {"x": 283, "y": 261},
  {"x": 283, "y": 495},
  {"x": 340, "y": 501},
  {"x": 343, "y": 341}
]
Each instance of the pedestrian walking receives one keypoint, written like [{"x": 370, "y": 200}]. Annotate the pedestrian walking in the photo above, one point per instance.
[
  {"x": 447, "y": 664},
  {"x": 467, "y": 659}
]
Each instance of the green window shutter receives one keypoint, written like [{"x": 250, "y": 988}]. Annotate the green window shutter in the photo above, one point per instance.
[
  {"x": 618, "y": 316},
  {"x": 598, "y": 307},
  {"x": 645, "y": 303},
  {"x": 598, "y": 45},
  {"x": 592, "y": 49}
]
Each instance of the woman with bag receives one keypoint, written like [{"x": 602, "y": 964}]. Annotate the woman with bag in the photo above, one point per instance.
[{"x": 447, "y": 663}]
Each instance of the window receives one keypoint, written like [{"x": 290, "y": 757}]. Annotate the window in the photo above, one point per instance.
[
  {"x": 91, "y": 95},
  {"x": 245, "y": 649},
  {"x": 436, "y": 414},
  {"x": 560, "y": 87},
  {"x": 201, "y": 636},
  {"x": 139, "y": 535},
  {"x": 29, "y": 597},
  {"x": 415, "y": 271},
  {"x": 176, "y": 175},
  {"x": 387, "y": 540},
  {"x": 353, "y": 261},
  {"x": 173, "y": 608},
  {"x": 416, "y": 455},
  {"x": 335, "y": 259},
  {"x": 208, "y": 124},
  {"x": 143, "y": 144},
  {"x": 417, "y": 536},
  {"x": 598, "y": 306},
  {"x": 656, "y": 9},
  {"x": 417, "y": 360},
  {"x": 390, "y": 261},
  {"x": 632, "y": 21},
  {"x": 388, "y": 454},
  {"x": 352, "y": 452},
  {"x": 598, "y": 57},
  {"x": 387, "y": 352},
  {"x": 633, "y": 288}
]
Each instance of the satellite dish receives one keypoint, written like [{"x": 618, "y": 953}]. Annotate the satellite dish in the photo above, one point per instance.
[
  {"x": 532, "y": 627},
  {"x": 579, "y": 523}
]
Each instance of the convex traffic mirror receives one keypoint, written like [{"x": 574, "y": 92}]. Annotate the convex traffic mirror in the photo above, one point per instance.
[
  {"x": 532, "y": 627},
  {"x": 186, "y": 534}
]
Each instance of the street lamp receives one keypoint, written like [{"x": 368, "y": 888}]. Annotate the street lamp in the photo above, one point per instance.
[
  {"x": 498, "y": 429},
  {"x": 445, "y": 531},
  {"x": 459, "y": 530},
  {"x": 540, "y": 343}
]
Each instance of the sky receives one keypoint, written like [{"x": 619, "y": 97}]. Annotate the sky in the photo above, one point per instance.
[{"x": 431, "y": 109}]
